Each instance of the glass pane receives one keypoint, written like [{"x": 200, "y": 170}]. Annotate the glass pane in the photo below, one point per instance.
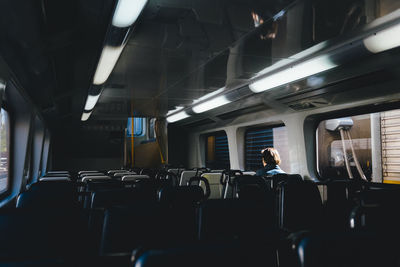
[
  {"x": 256, "y": 139},
  {"x": 137, "y": 127},
  {"x": 344, "y": 142},
  {"x": 4, "y": 150},
  {"x": 217, "y": 151}
]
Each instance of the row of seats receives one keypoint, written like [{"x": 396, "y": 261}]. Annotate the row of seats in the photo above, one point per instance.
[{"x": 271, "y": 221}]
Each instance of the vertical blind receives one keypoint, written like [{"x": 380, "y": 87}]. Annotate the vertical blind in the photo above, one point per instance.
[
  {"x": 256, "y": 139},
  {"x": 217, "y": 151}
]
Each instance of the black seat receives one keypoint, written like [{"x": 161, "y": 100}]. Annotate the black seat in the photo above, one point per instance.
[
  {"x": 181, "y": 195},
  {"x": 127, "y": 228},
  {"x": 337, "y": 249},
  {"x": 299, "y": 206},
  {"x": 48, "y": 195},
  {"x": 234, "y": 219},
  {"x": 42, "y": 235},
  {"x": 210, "y": 255},
  {"x": 120, "y": 197}
]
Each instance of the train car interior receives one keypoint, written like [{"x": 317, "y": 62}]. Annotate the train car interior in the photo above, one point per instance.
[{"x": 152, "y": 133}]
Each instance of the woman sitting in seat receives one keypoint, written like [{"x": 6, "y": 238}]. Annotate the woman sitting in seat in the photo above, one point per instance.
[{"x": 271, "y": 161}]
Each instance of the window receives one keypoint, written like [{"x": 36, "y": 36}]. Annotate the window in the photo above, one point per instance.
[
  {"x": 4, "y": 150},
  {"x": 256, "y": 139},
  {"x": 375, "y": 138},
  {"x": 217, "y": 151},
  {"x": 137, "y": 127},
  {"x": 152, "y": 133}
]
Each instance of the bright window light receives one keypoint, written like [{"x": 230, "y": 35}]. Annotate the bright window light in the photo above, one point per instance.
[
  {"x": 108, "y": 59},
  {"x": 127, "y": 12},
  {"x": 85, "y": 116},
  {"x": 384, "y": 40},
  {"x": 91, "y": 101},
  {"x": 296, "y": 72},
  {"x": 211, "y": 104},
  {"x": 177, "y": 117}
]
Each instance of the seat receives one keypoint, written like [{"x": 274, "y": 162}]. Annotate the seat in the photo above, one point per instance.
[
  {"x": 128, "y": 228},
  {"x": 185, "y": 177},
  {"x": 41, "y": 195},
  {"x": 54, "y": 178},
  {"x": 234, "y": 219},
  {"x": 215, "y": 185},
  {"x": 181, "y": 195},
  {"x": 93, "y": 178},
  {"x": 133, "y": 177},
  {"x": 40, "y": 236},
  {"x": 337, "y": 249},
  {"x": 211, "y": 255},
  {"x": 120, "y": 197},
  {"x": 299, "y": 206}
]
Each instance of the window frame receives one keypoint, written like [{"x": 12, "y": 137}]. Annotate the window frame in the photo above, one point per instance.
[{"x": 312, "y": 122}]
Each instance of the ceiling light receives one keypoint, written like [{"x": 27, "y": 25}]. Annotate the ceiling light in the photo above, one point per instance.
[
  {"x": 177, "y": 117},
  {"x": 85, "y": 116},
  {"x": 293, "y": 73},
  {"x": 108, "y": 59},
  {"x": 174, "y": 110},
  {"x": 383, "y": 40},
  {"x": 209, "y": 95},
  {"x": 211, "y": 104},
  {"x": 126, "y": 12},
  {"x": 91, "y": 101}
]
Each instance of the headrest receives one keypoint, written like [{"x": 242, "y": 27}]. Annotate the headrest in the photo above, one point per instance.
[
  {"x": 92, "y": 178},
  {"x": 54, "y": 178},
  {"x": 133, "y": 177}
]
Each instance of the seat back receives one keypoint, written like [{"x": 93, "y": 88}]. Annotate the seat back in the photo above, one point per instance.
[
  {"x": 185, "y": 177},
  {"x": 299, "y": 206},
  {"x": 337, "y": 249},
  {"x": 234, "y": 219},
  {"x": 41, "y": 195},
  {"x": 128, "y": 228},
  {"x": 215, "y": 185},
  {"x": 211, "y": 255}
]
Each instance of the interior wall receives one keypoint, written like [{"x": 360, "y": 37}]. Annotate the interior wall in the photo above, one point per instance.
[{"x": 301, "y": 127}]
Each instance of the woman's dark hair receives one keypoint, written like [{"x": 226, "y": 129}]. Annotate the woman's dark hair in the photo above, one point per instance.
[{"x": 271, "y": 156}]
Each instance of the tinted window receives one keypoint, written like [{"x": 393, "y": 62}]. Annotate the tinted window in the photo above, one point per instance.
[
  {"x": 256, "y": 139},
  {"x": 4, "y": 150},
  {"x": 217, "y": 151}
]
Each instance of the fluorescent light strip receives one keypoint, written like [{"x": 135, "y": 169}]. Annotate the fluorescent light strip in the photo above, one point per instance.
[
  {"x": 384, "y": 40},
  {"x": 293, "y": 73},
  {"x": 178, "y": 116},
  {"x": 204, "y": 97},
  {"x": 174, "y": 110},
  {"x": 108, "y": 59},
  {"x": 85, "y": 116},
  {"x": 91, "y": 101},
  {"x": 211, "y": 104},
  {"x": 127, "y": 12}
]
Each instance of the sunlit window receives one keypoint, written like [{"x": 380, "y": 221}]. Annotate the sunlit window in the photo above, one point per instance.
[
  {"x": 4, "y": 150},
  {"x": 363, "y": 146}
]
